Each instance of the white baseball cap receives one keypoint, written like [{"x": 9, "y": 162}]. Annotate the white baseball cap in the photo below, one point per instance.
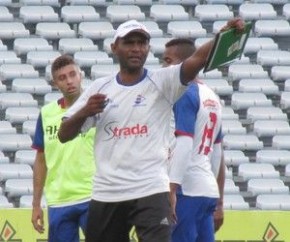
[{"x": 129, "y": 27}]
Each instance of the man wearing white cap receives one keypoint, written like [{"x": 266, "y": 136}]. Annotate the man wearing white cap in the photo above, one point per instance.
[{"x": 132, "y": 111}]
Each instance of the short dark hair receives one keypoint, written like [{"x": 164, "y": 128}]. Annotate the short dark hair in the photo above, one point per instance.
[
  {"x": 185, "y": 47},
  {"x": 62, "y": 61}
]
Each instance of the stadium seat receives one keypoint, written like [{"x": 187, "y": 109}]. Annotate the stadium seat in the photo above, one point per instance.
[
  {"x": 132, "y": 2},
  {"x": 273, "y": 57},
  {"x": 228, "y": 2},
  {"x": 212, "y": 12},
  {"x": 246, "y": 171},
  {"x": 273, "y": 202},
  {"x": 53, "y": 3},
  {"x": 264, "y": 85},
  {"x": 54, "y": 31},
  {"x": 157, "y": 45},
  {"x": 281, "y": 142},
  {"x": 25, "y": 157},
  {"x": 28, "y": 127},
  {"x": 230, "y": 187},
  {"x": 280, "y": 73},
  {"x": 89, "y": 58},
  {"x": 242, "y": 142},
  {"x": 3, "y": 160},
  {"x": 153, "y": 28},
  {"x": 3, "y": 87},
  {"x": 72, "y": 45},
  {"x": 101, "y": 70},
  {"x": 200, "y": 41},
  {"x": 285, "y": 100},
  {"x": 16, "y": 100},
  {"x": 235, "y": 157},
  {"x": 5, "y": 14},
  {"x": 229, "y": 113},
  {"x": 18, "y": 187},
  {"x": 12, "y": 30},
  {"x": 275, "y": 2},
  {"x": 228, "y": 173},
  {"x": 186, "y": 29},
  {"x": 52, "y": 96},
  {"x": 121, "y": 13},
  {"x": 151, "y": 59},
  {"x": 42, "y": 58},
  {"x": 181, "y": 2},
  {"x": 36, "y": 14},
  {"x": 12, "y": 71},
  {"x": 4, "y": 203},
  {"x": 258, "y": 186},
  {"x": 22, "y": 46},
  {"x": 274, "y": 157},
  {"x": 14, "y": 142},
  {"x": 9, "y": 57},
  {"x": 25, "y": 201},
  {"x": 6, "y": 127},
  {"x": 219, "y": 86},
  {"x": 254, "y": 44},
  {"x": 235, "y": 202},
  {"x": 287, "y": 85},
  {"x": 277, "y": 27},
  {"x": 237, "y": 72},
  {"x": 12, "y": 171},
  {"x": 3, "y": 47},
  {"x": 217, "y": 25},
  {"x": 244, "y": 100},
  {"x": 96, "y": 30},
  {"x": 77, "y": 14},
  {"x": 166, "y": 13},
  {"x": 107, "y": 45},
  {"x": 287, "y": 170},
  {"x": 31, "y": 85},
  {"x": 286, "y": 11},
  {"x": 17, "y": 115},
  {"x": 255, "y": 11},
  {"x": 269, "y": 128},
  {"x": 232, "y": 127},
  {"x": 265, "y": 113},
  {"x": 213, "y": 74},
  {"x": 88, "y": 2}
]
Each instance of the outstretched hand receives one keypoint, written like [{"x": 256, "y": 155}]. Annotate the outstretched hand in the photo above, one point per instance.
[
  {"x": 236, "y": 23},
  {"x": 96, "y": 104}
]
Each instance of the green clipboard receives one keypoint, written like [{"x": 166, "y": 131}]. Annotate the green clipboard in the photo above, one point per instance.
[{"x": 228, "y": 46}]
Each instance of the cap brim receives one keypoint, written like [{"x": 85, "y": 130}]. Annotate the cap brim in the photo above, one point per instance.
[{"x": 139, "y": 31}]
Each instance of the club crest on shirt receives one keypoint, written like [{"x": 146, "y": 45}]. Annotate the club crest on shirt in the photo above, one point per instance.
[{"x": 139, "y": 101}]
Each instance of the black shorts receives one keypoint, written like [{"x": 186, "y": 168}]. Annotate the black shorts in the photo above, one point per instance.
[{"x": 112, "y": 222}]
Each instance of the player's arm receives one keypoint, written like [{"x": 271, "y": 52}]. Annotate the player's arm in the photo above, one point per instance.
[
  {"x": 194, "y": 64},
  {"x": 39, "y": 176},
  {"x": 70, "y": 127},
  {"x": 219, "y": 213}
]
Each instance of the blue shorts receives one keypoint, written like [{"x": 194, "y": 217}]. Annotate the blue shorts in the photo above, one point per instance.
[
  {"x": 65, "y": 222},
  {"x": 194, "y": 219}
]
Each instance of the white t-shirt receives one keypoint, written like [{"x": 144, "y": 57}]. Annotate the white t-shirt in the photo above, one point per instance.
[
  {"x": 133, "y": 134},
  {"x": 198, "y": 117}
]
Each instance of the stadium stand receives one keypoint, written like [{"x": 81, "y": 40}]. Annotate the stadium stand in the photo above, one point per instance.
[{"x": 254, "y": 90}]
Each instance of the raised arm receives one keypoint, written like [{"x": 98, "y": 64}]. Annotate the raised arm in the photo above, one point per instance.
[
  {"x": 71, "y": 126},
  {"x": 194, "y": 64}
]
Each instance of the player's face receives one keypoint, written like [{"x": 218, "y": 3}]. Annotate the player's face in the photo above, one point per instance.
[
  {"x": 170, "y": 56},
  {"x": 131, "y": 51},
  {"x": 68, "y": 80}
]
